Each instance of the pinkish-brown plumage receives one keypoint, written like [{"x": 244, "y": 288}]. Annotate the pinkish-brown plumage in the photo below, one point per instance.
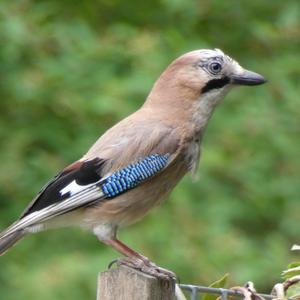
[{"x": 171, "y": 121}]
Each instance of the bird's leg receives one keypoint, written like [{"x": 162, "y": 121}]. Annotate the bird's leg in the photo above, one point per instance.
[{"x": 137, "y": 261}]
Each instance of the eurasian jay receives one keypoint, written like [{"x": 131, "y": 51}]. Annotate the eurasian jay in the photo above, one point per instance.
[{"x": 135, "y": 164}]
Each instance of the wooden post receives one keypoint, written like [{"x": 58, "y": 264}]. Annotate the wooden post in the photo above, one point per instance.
[{"x": 124, "y": 283}]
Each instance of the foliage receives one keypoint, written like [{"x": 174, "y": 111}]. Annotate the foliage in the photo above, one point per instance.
[
  {"x": 220, "y": 283},
  {"x": 292, "y": 278},
  {"x": 71, "y": 69}
]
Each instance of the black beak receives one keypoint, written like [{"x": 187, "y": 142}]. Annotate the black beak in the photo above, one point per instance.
[{"x": 248, "y": 78}]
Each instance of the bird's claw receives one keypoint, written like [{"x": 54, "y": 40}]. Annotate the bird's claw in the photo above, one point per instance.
[
  {"x": 144, "y": 265},
  {"x": 112, "y": 263}
]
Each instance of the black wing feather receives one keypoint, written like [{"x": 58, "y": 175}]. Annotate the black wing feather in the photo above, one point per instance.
[{"x": 83, "y": 173}]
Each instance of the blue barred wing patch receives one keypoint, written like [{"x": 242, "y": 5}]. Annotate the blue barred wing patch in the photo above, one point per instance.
[{"x": 129, "y": 177}]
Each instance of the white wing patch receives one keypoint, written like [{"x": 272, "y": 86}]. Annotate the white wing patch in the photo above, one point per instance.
[{"x": 73, "y": 188}]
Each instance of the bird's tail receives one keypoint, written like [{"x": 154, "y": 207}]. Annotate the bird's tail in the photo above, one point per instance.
[{"x": 7, "y": 241}]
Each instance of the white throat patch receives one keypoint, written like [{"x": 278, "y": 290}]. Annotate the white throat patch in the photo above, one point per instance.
[{"x": 206, "y": 104}]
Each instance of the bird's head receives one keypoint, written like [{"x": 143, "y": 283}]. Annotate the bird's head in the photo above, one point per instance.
[
  {"x": 211, "y": 71},
  {"x": 203, "y": 76}
]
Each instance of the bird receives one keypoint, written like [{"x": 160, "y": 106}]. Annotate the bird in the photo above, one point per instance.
[{"x": 136, "y": 163}]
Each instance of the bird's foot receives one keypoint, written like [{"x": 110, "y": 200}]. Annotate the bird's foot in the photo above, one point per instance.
[{"x": 146, "y": 266}]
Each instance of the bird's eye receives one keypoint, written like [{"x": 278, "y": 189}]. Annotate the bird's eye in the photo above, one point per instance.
[{"x": 215, "y": 67}]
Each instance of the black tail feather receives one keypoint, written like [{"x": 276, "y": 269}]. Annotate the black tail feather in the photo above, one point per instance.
[{"x": 9, "y": 240}]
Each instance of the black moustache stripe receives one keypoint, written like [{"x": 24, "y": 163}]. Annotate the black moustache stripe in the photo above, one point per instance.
[{"x": 215, "y": 84}]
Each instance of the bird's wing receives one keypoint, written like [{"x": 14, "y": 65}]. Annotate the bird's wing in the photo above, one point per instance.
[
  {"x": 56, "y": 190},
  {"x": 93, "y": 179}
]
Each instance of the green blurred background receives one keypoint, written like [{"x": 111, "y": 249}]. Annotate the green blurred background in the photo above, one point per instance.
[{"x": 71, "y": 69}]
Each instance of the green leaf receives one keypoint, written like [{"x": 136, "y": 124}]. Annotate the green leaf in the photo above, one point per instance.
[
  {"x": 294, "y": 291},
  {"x": 220, "y": 283},
  {"x": 294, "y": 264},
  {"x": 293, "y": 270}
]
